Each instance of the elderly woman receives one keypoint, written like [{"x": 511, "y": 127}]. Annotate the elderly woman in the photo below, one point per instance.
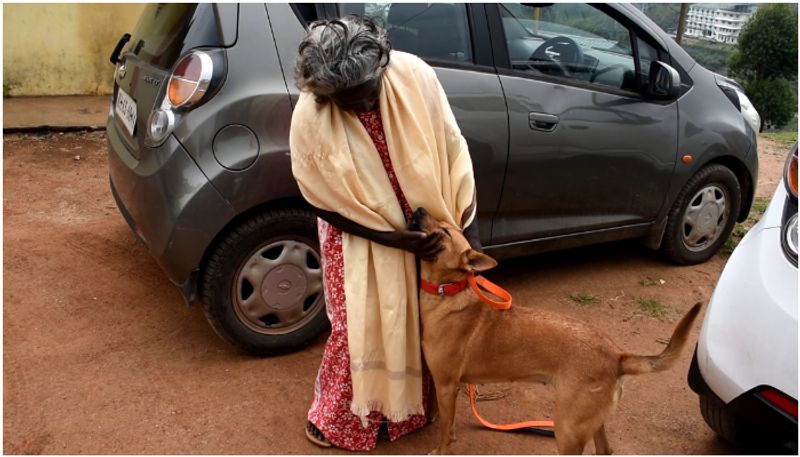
[{"x": 372, "y": 138}]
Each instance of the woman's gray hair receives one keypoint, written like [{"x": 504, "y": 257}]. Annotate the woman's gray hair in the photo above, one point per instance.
[{"x": 340, "y": 54}]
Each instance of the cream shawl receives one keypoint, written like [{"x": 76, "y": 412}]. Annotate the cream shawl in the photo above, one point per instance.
[{"x": 338, "y": 169}]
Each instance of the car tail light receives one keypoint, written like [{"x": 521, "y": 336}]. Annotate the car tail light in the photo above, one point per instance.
[
  {"x": 190, "y": 79},
  {"x": 159, "y": 125},
  {"x": 781, "y": 401}
]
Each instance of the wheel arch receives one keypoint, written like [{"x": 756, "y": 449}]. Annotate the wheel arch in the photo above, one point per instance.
[{"x": 746, "y": 181}]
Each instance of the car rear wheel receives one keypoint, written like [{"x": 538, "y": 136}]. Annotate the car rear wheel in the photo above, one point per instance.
[
  {"x": 723, "y": 424},
  {"x": 262, "y": 285},
  {"x": 748, "y": 436},
  {"x": 703, "y": 215}
]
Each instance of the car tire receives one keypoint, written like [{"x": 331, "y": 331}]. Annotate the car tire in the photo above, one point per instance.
[
  {"x": 747, "y": 436},
  {"x": 703, "y": 215},
  {"x": 723, "y": 424},
  {"x": 262, "y": 284}
]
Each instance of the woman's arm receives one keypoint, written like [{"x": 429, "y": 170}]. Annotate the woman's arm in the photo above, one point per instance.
[
  {"x": 419, "y": 243},
  {"x": 471, "y": 234},
  {"x": 471, "y": 231}
]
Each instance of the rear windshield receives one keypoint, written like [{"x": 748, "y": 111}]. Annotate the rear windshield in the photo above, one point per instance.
[{"x": 166, "y": 30}]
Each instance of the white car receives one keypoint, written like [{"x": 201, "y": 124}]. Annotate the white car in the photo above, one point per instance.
[{"x": 745, "y": 365}]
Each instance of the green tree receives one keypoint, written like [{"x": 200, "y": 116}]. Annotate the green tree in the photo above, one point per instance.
[
  {"x": 767, "y": 45},
  {"x": 774, "y": 100},
  {"x": 765, "y": 61},
  {"x": 664, "y": 14}
]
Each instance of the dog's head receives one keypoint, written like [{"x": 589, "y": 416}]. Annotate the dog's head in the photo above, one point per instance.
[{"x": 457, "y": 257}]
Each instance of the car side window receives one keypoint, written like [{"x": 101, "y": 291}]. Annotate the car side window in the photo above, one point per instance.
[
  {"x": 647, "y": 55},
  {"x": 307, "y": 12},
  {"x": 429, "y": 30},
  {"x": 569, "y": 40}
]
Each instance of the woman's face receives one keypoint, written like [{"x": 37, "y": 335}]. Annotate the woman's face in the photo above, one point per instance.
[{"x": 359, "y": 99}]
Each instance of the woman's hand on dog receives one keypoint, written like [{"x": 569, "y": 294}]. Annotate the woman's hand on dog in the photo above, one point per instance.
[{"x": 423, "y": 245}]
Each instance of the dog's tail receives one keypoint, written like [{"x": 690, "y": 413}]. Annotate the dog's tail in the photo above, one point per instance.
[{"x": 638, "y": 364}]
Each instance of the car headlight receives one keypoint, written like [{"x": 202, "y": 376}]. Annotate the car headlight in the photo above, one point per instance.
[
  {"x": 749, "y": 111},
  {"x": 735, "y": 93},
  {"x": 789, "y": 238},
  {"x": 789, "y": 225}
]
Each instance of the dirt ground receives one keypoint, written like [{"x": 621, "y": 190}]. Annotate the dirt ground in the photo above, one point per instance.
[{"x": 101, "y": 356}]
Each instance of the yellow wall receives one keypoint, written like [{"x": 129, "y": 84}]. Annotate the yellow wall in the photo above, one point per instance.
[{"x": 62, "y": 49}]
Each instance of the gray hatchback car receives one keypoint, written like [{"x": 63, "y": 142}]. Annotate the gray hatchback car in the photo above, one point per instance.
[{"x": 586, "y": 123}]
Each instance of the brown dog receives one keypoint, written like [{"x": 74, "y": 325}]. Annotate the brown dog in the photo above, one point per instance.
[{"x": 466, "y": 341}]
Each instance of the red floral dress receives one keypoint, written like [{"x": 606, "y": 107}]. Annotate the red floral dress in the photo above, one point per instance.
[{"x": 333, "y": 389}]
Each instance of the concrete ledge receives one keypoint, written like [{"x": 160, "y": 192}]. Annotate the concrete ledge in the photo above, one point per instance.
[{"x": 65, "y": 113}]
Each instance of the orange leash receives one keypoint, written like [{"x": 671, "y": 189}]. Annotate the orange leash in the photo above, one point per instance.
[
  {"x": 505, "y": 427},
  {"x": 478, "y": 285},
  {"x": 479, "y": 282}
]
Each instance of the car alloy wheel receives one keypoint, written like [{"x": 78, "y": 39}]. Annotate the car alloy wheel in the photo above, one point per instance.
[
  {"x": 702, "y": 215},
  {"x": 705, "y": 218},
  {"x": 279, "y": 287},
  {"x": 262, "y": 283}
]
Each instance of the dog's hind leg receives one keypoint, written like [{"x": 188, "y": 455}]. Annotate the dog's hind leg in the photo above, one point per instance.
[
  {"x": 601, "y": 442},
  {"x": 581, "y": 412},
  {"x": 572, "y": 433},
  {"x": 569, "y": 439},
  {"x": 446, "y": 396}
]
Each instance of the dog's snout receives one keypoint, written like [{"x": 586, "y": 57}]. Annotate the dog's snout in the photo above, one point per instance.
[{"x": 419, "y": 215}]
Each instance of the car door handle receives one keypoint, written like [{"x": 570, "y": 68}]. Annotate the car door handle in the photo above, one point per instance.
[{"x": 542, "y": 121}]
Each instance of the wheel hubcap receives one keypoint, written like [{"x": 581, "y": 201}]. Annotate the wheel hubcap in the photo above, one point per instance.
[
  {"x": 705, "y": 218},
  {"x": 279, "y": 287}
]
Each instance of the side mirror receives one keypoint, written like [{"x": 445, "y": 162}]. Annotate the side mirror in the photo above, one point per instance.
[{"x": 664, "y": 82}]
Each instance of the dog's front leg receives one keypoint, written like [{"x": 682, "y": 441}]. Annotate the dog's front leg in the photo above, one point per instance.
[
  {"x": 601, "y": 442},
  {"x": 446, "y": 396}
]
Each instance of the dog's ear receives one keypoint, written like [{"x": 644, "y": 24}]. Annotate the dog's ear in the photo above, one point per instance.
[{"x": 474, "y": 261}]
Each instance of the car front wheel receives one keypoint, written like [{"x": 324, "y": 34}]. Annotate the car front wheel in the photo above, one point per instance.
[
  {"x": 262, "y": 285},
  {"x": 703, "y": 215}
]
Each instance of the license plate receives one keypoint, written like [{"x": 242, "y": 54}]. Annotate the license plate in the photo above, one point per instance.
[{"x": 126, "y": 110}]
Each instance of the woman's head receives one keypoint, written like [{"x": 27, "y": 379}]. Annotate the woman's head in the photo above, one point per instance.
[{"x": 342, "y": 61}]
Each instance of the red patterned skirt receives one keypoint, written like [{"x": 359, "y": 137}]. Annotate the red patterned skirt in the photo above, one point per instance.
[{"x": 333, "y": 389}]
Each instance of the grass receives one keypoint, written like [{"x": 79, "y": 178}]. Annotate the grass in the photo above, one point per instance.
[
  {"x": 784, "y": 137},
  {"x": 739, "y": 230},
  {"x": 583, "y": 299},
  {"x": 648, "y": 281},
  {"x": 652, "y": 307}
]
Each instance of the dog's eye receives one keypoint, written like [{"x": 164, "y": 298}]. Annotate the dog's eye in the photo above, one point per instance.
[{"x": 446, "y": 232}]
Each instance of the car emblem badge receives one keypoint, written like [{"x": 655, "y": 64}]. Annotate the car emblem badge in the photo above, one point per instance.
[
  {"x": 122, "y": 71},
  {"x": 151, "y": 80},
  {"x": 285, "y": 285}
]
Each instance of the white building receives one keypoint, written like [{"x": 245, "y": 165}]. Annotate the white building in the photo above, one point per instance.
[{"x": 720, "y": 22}]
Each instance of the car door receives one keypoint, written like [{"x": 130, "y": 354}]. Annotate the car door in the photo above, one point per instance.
[
  {"x": 453, "y": 39},
  {"x": 587, "y": 151}
]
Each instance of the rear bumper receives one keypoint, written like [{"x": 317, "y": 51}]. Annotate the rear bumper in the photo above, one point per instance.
[
  {"x": 750, "y": 408},
  {"x": 168, "y": 203},
  {"x": 749, "y": 334},
  {"x": 748, "y": 340}
]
